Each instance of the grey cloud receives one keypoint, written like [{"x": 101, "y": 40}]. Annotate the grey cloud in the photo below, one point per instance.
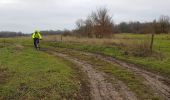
[{"x": 27, "y": 15}]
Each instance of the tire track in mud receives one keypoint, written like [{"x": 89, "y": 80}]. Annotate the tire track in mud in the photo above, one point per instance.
[
  {"x": 156, "y": 82},
  {"x": 100, "y": 88}
]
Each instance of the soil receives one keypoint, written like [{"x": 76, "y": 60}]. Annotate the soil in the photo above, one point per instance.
[
  {"x": 157, "y": 82},
  {"x": 100, "y": 88}
]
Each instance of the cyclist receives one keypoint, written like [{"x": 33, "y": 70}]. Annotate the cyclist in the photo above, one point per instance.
[{"x": 36, "y": 37}]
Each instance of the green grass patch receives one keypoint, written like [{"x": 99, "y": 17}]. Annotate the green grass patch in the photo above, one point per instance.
[
  {"x": 158, "y": 63},
  {"x": 30, "y": 74}
]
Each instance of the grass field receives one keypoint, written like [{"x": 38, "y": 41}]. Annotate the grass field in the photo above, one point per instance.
[
  {"x": 116, "y": 47},
  {"x": 28, "y": 74}
]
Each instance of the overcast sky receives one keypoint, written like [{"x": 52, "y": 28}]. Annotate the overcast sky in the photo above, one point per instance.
[{"x": 28, "y": 15}]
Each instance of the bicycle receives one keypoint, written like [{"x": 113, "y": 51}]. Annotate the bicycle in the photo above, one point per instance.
[{"x": 37, "y": 43}]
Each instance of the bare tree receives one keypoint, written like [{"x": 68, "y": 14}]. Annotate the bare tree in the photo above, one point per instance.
[
  {"x": 102, "y": 22},
  {"x": 164, "y": 22},
  {"x": 80, "y": 26},
  {"x": 162, "y": 26},
  {"x": 89, "y": 27}
]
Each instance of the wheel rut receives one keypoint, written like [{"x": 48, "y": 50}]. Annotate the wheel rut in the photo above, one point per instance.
[
  {"x": 100, "y": 88},
  {"x": 156, "y": 82}
]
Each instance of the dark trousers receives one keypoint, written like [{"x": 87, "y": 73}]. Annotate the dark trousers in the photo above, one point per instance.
[{"x": 36, "y": 42}]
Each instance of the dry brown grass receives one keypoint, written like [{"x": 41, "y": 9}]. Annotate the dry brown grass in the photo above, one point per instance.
[
  {"x": 116, "y": 39},
  {"x": 131, "y": 44},
  {"x": 138, "y": 48},
  {"x": 19, "y": 47}
]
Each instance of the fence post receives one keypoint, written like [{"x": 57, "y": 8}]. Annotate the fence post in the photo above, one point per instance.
[
  {"x": 61, "y": 38},
  {"x": 4, "y": 43},
  {"x": 151, "y": 45}
]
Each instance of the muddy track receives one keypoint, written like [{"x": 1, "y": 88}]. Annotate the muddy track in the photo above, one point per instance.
[
  {"x": 100, "y": 88},
  {"x": 158, "y": 83}
]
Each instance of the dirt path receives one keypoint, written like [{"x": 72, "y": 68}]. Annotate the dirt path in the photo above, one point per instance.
[
  {"x": 156, "y": 82},
  {"x": 101, "y": 89}
]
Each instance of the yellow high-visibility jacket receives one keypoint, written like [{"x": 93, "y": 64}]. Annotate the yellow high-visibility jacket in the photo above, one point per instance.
[{"x": 36, "y": 35}]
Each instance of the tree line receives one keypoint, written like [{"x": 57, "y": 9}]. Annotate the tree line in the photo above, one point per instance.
[
  {"x": 5, "y": 34},
  {"x": 58, "y": 32},
  {"x": 100, "y": 24}
]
